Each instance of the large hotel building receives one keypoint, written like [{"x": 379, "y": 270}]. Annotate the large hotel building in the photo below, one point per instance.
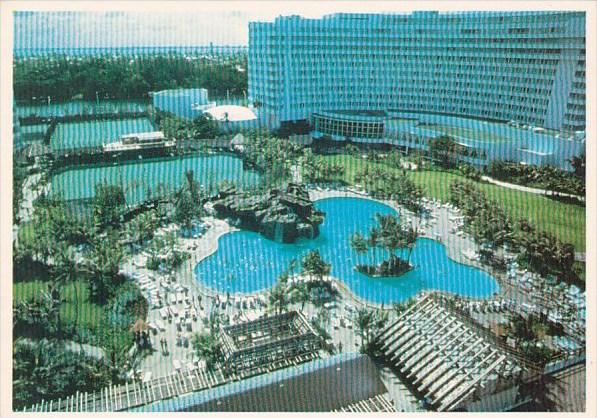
[{"x": 357, "y": 75}]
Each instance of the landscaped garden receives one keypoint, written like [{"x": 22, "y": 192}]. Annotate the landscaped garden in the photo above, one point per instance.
[
  {"x": 75, "y": 296},
  {"x": 72, "y": 308},
  {"x": 564, "y": 220}
]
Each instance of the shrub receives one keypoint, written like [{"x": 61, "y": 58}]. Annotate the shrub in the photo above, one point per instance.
[
  {"x": 153, "y": 263},
  {"x": 127, "y": 306},
  {"x": 469, "y": 172}
]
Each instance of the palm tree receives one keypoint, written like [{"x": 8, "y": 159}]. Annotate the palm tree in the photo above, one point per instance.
[
  {"x": 409, "y": 240},
  {"x": 324, "y": 316},
  {"x": 66, "y": 271},
  {"x": 43, "y": 369},
  {"x": 292, "y": 267},
  {"x": 32, "y": 364},
  {"x": 103, "y": 267},
  {"x": 300, "y": 293},
  {"x": 520, "y": 328},
  {"x": 142, "y": 227},
  {"x": 381, "y": 319},
  {"x": 359, "y": 243},
  {"x": 283, "y": 279},
  {"x": 399, "y": 308},
  {"x": 278, "y": 298},
  {"x": 444, "y": 150},
  {"x": 390, "y": 235},
  {"x": 313, "y": 264},
  {"x": 364, "y": 322},
  {"x": 207, "y": 346},
  {"x": 37, "y": 317},
  {"x": 108, "y": 205}
]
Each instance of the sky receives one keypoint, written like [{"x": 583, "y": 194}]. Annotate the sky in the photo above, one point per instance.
[{"x": 221, "y": 23}]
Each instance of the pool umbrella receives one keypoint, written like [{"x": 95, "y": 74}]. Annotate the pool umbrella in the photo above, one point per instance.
[{"x": 140, "y": 326}]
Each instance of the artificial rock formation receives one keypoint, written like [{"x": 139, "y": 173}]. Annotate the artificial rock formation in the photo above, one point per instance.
[{"x": 280, "y": 215}]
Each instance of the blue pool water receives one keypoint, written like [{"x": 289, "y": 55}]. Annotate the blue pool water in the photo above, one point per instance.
[{"x": 245, "y": 262}]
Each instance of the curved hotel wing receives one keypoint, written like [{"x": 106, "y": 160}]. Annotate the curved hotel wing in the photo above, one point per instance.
[{"x": 524, "y": 67}]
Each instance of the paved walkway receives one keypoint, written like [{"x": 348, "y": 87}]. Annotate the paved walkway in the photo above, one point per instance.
[
  {"x": 32, "y": 189},
  {"x": 158, "y": 363},
  {"x": 529, "y": 189}
]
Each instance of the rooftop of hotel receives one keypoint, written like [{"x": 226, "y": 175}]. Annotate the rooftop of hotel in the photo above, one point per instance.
[
  {"x": 463, "y": 128},
  {"x": 311, "y": 387},
  {"x": 422, "y": 15}
]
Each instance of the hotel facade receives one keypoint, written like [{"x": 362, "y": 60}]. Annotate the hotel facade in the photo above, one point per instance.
[{"x": 351, "y": 75}]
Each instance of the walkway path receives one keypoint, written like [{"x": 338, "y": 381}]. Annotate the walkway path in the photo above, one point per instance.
[
  {"x": 32, "y": 189},
  {"x": 159, "y": 364},
  {"x": 529, "y": 189}
]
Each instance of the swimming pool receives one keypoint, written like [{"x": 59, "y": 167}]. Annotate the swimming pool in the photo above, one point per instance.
[
  {"x": 245, "y": 262},
  {"x": 140, "y": 178}
]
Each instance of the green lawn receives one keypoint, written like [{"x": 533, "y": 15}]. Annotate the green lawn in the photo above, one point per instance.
[
  {"x": 91, "y": 317},
  {"x": 26, "y": 232},
  {"x": 90, "y": 314},
  {"x": 566, "y": 221}
]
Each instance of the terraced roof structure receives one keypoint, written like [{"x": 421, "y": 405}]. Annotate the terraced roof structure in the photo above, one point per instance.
[
  {"x": 448, "y": 362},
  {"x": 258, "y": 346}
]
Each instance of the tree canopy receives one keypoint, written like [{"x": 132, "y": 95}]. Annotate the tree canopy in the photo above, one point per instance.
[
  {"x": 314, "y": 264},
  {"x": 443, "y": 149},
  {"x": 188, "y": 205},
  {"x": 579, "y": 163},
  {"x": 202, "y": 127},
  {"x": 390, "y": 235},
  {"x": 491, "y": 226},
  {"x": 108, "y": 205},
  {"x": 125, "y": 77},
  {"x": 44, "y": 369},
  {"x": 544, "y": 177},
  {"x": 272, "y": 156},
  {"x": 383, "y": 182}
]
